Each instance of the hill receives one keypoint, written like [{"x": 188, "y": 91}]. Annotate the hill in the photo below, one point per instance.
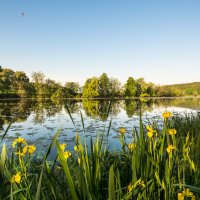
[{"x": 183, "y": 89}]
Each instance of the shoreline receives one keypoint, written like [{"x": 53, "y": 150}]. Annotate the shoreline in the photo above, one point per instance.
[{"x": 104, "y": 98}]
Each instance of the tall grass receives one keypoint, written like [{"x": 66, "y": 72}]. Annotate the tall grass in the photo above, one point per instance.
[{"x": 147, "y": 168}]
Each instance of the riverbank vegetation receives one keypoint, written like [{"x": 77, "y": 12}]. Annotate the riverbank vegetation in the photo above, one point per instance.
[
  {"x": 19, "y": 110},
  {"x": 161, "y": 162},
  {"x": 16, "y": 84}
]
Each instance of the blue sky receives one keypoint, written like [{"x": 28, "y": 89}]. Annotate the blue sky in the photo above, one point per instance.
[{"x": 71, "y": 40}]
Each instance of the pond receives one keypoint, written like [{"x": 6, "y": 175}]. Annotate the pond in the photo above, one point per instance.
[{"x": 38, "y": 121}]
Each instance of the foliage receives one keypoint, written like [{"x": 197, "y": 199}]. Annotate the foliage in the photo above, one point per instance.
[
  {"x": 166, "y": 91},
  {"x": 16, "y": 84},
  {"x": 91, "y": 88},
  {"x": 104, "y": 85},
  {"x": 72, "y": 89},
  {"x": 130, "y": 87},
  {"x": 116, "y": 89},
  {"x": 157, "y": 164},
  {"x": 185, "y": 89}
]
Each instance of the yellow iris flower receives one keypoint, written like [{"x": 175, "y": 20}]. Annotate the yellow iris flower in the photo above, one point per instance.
[
  {"x": 18, "y": 140},
  {"x": 131, "y": 146},
  {"x": 29, "y": 148},
  {"x": 16, "y": 178},
  {"x": 122, "y": 130},
  {"x": 151, "y": 132},
  {"x": 167, "y": 115},
  {"x": 172, "y": 131},
  {"x": 170, "y": 148}
]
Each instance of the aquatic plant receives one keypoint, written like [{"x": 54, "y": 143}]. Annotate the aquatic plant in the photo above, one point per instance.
[{"x": 157, "y": 164}]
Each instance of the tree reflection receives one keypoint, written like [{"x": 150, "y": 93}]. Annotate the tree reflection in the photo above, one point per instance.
[
  {"x": 14, "y": 110},
  {"x": 73, "y": 106},
  {"x": 116, "y": 107},
  {"x": 20, "y": 110},
  {"x": 100, "y": 108},
  {"x": 130, "y": 107},
  {"x": 138, "y": 106},
  {"x": 45, "y": 109},
  {"x": 91, "y": 108}
]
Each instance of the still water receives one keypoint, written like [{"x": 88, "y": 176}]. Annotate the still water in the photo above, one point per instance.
[{"x": 38, "y": 121}]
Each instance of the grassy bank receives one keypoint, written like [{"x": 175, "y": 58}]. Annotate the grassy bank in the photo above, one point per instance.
[{"x": 159, "y": 163}]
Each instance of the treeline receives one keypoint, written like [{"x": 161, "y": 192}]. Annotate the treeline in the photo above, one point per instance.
[
  {"x": 184, "y": 89},
  {"x": 15, "y": 84}
]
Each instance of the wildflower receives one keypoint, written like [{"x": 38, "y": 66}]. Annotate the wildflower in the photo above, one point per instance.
[
  {"x": 130, "y": 187},
  {"x": 151, "y": 132},
  {"x": 131, "y": 146},
  {"x": 180, "y": 196},
  {"x": 18, "y": 140},
  {"x": 172, "y": 131},
  {"x": 186, "y": 193},
  {"x": 79, "y": 161},
  {"x": 170, "y": 148},
  {"x": 77, "y": 148},
  {"x": 29, "y": 148},
  {"x": 122, "y": 130},
  {"x": 20, "y": 153},
  {"x": 67, "y": 154},
  {"x": 166, "y": 115},
  {"x": 16, "y": 178},
  {"x": 62, "y": 146}
]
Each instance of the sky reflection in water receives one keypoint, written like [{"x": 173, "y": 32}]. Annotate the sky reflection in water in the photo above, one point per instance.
[{"x": 38, "y": 121}]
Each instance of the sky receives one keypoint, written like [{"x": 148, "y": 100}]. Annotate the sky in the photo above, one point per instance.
[{"x": 71, "y": 40}]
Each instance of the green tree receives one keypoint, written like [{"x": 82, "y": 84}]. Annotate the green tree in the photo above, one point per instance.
[
  {"x": 141, "y": 87},
  {"x": 20, "y": 83},
  {"x": 38, "y": 79},
  {"x": 50, "y": 87},
  {"x": 130, "y": 87},
  {"x": 104, "y": 85},
  {"x": 91, "y": 88},
  {"x": 58, "y": 95},
  {"x": 166, "y": 91},
  {"x": 150, "y": 89},
  {"x": 72, "y": 89},
  {"x": 6, "y": 80},
  {"x": 115, "y": 87}
]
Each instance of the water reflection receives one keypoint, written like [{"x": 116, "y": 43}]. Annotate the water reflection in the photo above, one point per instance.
[
  {"x": 20, "y": 110},
  {"x": 38, "y": 121}
]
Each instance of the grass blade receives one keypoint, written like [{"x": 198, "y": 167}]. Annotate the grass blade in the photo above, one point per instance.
[
  {"x": 67, "y": 172},
  {"x": 109, "y": 127},
  {"x": 37, "y": 197},
  {"x": 6, "y": 131},
  {"x": 70, "y": 116},
  {"x": 82, "y": 122},
  {"x": 111, "y": 184},
  {"x": 52, "y": 143},
  {"x": 3, "y": 160}
]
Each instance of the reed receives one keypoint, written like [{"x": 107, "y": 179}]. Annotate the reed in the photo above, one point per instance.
[{"x": 159, "y": 163}]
